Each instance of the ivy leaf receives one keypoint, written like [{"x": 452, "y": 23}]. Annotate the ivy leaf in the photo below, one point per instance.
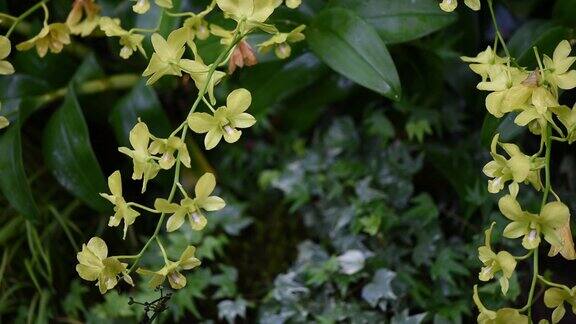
[
  {"x": 380, "y": 287},
  {"x": 351, "y": 261},
  {"x": 400, "y": 21},
  {"x": 405, "y": 318},
  {"x": 231, "y": 309},
  {"x": 183, "y": 301},
  {"x": 353, "y": 48},
  {"x": 417, "y": 129},
  {"x": 73, "y": 303},
  {"x": 69, "y": 154},
  {"x": 225, "y": 281},
  {"x": 448, "y": 264},
  {"x": 212, "y": 246}
]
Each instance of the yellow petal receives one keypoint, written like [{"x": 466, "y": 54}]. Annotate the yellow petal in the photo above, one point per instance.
[
  {"x": 115, "y": 184},
  {"x": 205, "y": 185},
  {"x": 98, "y": 247},
  {"x": 212, "y": 138},
  {"x": 175, "y": 221},
  {"x": 238, "y": 101}
]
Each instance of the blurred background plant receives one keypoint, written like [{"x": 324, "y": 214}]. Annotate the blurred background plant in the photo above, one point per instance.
[{"x": 357, "y": 197}]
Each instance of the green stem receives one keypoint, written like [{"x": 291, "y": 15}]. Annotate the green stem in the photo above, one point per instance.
[
  {"x": 497, "y": 29},
  {"x": 148, "y": 209},
  {"x": 525, "y": 256},
  {"x": 125, "y": 256},
  {"x": 164, "y": 255},
  {"x": 46, "y": 14},
  {"x": 552, "y": 284},
  {"x": 547, "y": 167},
  {"x": 60, "y": 220},
  {"x": 180, "y": 14},
  {"x": 208, "y": 104},
  {"x": 184, "y": 126},
  {"x": 24, "y": 15},
  {"x": 149, "y": 30},
  {"x": 119, "y": 81},
  {"x": 548, "y": 140}
]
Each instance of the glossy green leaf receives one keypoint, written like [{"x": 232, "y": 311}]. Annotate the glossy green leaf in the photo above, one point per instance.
[
  {"x": 400, "y": 21},
  {"x": 564, "y": 12},
  {"x": 88, "y": 70},
  {"x": 489, "y": 127},
  {"x": 507, "y": 129},
  {"x": 544, "y": 35},
  {"x": 273, "y": 82},
  {"x": 13, "y": 182},
  {"x": 141, "y": 102},
  {"x": 301, "y": 111},
  {"x": 353, "y": 48},
  {"x": 68, "y": 152},
  {"x": 19, "y": 85}
]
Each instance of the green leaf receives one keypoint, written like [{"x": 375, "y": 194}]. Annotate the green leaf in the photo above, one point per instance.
[
  {"x": 399, "y": 21},
  {"x": 68, "y": 152},
  {"x": 542, "y": 34},
  {"x": 301, "y": 111},
  {"x": 352, "y": 47},
  {"x": 19, "y": 85},
  {"x": 141, "y": 102},
  {"x": 564, "y": 12},
  {"x": 273, "y": 82},
  {"x": 13, "y": 182},
  {"x": 507, "y": 129},
  {"x": 489, "y": 127},
  {"x": 379, "y": 288}
]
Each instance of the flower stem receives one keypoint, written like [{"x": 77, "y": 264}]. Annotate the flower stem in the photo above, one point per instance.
[
  {"x": 208, "y": 104},
  {"x": 497, "y": 29},
  {"x": 184, "y": 127},
  {"x": 525, "y": 256},
  {"x": 552, "y": 284},
  {"x": 164, "y": 255},
  {"x": 548, "y": 141},
  {"x": 119, "y": 81},
  {"x": 148, "y": 209},
  {"x": 24, "y": 15}
]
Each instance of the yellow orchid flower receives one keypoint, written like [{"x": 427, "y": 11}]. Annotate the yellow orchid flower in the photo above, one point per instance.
[
  {"x": 172, "y": 270},
  {"x": 122, "y": 210},
  {"x": 520, "y": 168},
  {"x": 145, "y": 166},
  {"x": 450, "y": 5},
  {"x": 252, "y": 12},
  {"x": 167, "y": 147},
  {"x": 95, "y": 265},
  {"x": 51, "y": 37},
  {"x": 225, "y": 121},
  {"x": 552, "y": 217},
  {"x": 86, "y": 9},
  {"x": 495, "y": 262},
  {"x": 192, "y": 208},
  {"x": 557, "y": 68},
  {"x": 281, "y": 42},
  {"x": 130, "y": 41},
  {"x": 503, "y": 315},
  {"x": 5, "y": 49}
]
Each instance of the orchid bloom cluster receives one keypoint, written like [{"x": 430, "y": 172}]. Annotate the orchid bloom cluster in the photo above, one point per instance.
[
  {"x": 174, "y": 55},
  {"x": 532, "y": 97},
  {"x": 85, "y": 19}
]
